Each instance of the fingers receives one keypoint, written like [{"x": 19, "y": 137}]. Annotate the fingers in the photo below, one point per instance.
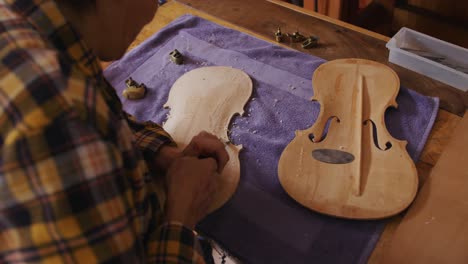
[
  {"x": 208, "y": 135},
  {"x": 208, "y": 145},
  {"x": 210, "y": 164},
  {"x": 191, "y": 149}
]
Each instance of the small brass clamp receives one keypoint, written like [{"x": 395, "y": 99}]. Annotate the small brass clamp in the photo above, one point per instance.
[
  {"x": 130, "y": 82},
  {"x": 134, "y": 90},
  {"x": 311, "y": 42},
  {"x": 176, "y": 57},
  {"x": 279, "y": 36},
  {"x": 296, "y": 36}
]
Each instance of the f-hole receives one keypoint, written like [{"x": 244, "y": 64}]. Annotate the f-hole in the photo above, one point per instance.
[
  {"x": 388, "y": 145},
  {"x": 325, "y": 130}
]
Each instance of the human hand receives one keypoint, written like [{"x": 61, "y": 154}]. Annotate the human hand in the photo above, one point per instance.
[
  {"x": 202, "y": 145},
  {"x": 191, "y": 185},
  {"x": 208, "y": 145},
  {"x": 166, "y": 155}
]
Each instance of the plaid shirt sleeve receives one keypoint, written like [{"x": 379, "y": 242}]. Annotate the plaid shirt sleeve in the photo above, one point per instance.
[
  {"x": 65, "y": 198},
  {"x": 73, "y": 187},
  {"x": 149, "y": 136}
]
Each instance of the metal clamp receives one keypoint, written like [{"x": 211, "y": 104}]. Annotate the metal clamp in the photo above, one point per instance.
[
  {"x": 279, "y": 36},
  {"x": 134, "y": 90},
  {"x": 311, "y": 42},
  {"x": 176, "y": 57},
  {"x": 296, "y": 36}
]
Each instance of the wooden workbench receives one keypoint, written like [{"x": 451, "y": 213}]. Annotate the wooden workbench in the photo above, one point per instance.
[{"x": 340, "y": 40}]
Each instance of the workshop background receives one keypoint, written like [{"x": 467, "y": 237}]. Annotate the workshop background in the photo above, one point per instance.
[{"x": 443, "y": 19}]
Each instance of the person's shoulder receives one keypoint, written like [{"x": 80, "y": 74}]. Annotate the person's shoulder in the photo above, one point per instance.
[
  {"x": 17, "y": 34},
  {"x": 33, "y": 77}
]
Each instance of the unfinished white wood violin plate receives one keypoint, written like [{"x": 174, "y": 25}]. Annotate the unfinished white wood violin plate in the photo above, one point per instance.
[
  {"x": 357, "y": 170},
  {"x": 205, "y": 99}
]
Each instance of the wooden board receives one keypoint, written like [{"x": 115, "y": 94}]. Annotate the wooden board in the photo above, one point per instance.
[
  {"x": 205, "y": 99},
  {"x": 337, "y": 41},
  {"x": 357, "y": 177},
  {"x": 435, "y": 229}
]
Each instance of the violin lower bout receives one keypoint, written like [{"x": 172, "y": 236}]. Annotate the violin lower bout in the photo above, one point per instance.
[{"x": 387, "y": 184}]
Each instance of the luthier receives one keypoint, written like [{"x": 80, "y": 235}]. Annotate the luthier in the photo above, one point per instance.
[{"x": 104, "y": 188}]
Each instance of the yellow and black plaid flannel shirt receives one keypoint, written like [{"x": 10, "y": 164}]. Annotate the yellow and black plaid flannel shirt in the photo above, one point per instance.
[{"x": 74, "y": 184}]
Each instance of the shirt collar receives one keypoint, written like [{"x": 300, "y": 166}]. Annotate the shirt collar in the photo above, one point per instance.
[{"x": 48, "y": 20}]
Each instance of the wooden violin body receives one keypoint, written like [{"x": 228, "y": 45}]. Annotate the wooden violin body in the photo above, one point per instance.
[
  {"x": 205, "y": 99},
  {"x": 356, "y": 169}
]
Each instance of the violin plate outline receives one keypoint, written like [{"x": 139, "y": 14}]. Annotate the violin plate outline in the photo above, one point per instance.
[
  {"x": 380, "y": 182},
  {"x": 206, "y": 99}
]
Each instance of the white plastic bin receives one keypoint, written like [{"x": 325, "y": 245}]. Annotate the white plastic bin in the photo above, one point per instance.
[{"x": 429, "y": 56}]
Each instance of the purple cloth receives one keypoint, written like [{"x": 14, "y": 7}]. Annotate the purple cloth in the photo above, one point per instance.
[{"x": 261, "y": 223}]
